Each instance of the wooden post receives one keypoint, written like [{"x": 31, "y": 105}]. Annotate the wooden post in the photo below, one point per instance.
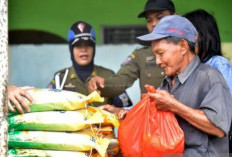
[{"x": 3, "y": 76}]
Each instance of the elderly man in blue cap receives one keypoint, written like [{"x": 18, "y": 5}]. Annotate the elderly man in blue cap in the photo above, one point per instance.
[{"x": 196, "y": 93}]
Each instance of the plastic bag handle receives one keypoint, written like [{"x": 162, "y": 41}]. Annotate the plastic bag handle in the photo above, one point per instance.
[{"x": 150, "y": 89}]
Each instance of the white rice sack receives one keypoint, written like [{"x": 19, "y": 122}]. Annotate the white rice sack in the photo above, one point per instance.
[
  {"x": 56, "y": 120},
  {"x": 53, "y": 99},
  {"x": 57, "y": 141}
]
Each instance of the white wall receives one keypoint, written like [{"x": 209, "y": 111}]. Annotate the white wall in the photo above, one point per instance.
[{"x": 35, "y": 65}]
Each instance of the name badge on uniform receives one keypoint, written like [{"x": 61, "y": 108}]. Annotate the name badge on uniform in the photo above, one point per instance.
[
  {"x": 150, "y": 61},
  {"x": 69, "y": 87}
]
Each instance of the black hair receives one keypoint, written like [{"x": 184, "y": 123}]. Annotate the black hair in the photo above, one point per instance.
[
  {"x": 171, "y": 12},
  {"x": 209, "y": 39},
  {"x": 176, "y": 40}
]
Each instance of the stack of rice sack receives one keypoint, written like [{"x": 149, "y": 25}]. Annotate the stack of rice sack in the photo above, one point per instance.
[{"x": 62, "y": 124}]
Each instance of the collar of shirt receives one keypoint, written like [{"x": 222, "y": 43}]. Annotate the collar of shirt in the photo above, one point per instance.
[
  {"x": 73, "y": 74},
  {"x": 183, "y": 76}
]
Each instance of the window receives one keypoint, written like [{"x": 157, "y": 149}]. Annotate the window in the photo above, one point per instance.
[{"x": 122, "y": 34}]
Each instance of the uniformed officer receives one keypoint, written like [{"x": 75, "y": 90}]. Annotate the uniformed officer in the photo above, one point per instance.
[
  {"x": 81, "y": 38},
  {"x": 141, "y": 63}
]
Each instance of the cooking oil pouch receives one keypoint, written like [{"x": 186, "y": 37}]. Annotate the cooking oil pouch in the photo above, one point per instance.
[
  {"x": 53, "y": 99},
  {"x": 66, "y": 141},
  {"x": 45, "y": 153},
  {"x": 56, "y": 120}
]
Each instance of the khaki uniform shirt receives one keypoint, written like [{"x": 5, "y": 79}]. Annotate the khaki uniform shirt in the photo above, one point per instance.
[
  {"x": 139, "y": 65},
  {"x": 74, "y": 83}
]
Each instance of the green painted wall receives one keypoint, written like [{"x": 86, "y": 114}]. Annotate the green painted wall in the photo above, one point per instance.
[{"x": 56, "y": 16}]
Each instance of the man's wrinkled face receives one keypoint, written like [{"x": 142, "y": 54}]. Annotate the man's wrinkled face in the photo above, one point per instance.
[
  {"x": 153, "y": 17},
  {"x": 168, "y": 56}
]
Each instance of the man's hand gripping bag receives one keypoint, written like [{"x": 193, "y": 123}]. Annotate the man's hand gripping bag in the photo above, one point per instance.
[{"x": 147, "y": 131}]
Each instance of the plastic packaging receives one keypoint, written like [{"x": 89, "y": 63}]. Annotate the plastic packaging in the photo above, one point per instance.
[{"x": 147, "y": 131}]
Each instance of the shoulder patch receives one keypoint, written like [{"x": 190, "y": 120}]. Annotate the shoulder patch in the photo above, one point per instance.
[
  {"x": 129, "y": 59},
  {"x": 51, "y": 85}
]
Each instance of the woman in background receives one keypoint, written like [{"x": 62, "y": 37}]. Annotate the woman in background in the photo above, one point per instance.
[
  {"x": 82, "y": 46},
  {"x": 209, "y": 47},
  {"x": 209, "y": 43}
]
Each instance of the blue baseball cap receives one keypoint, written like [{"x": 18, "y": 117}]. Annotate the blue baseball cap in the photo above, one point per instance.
[{"x": 170, "y": 26}]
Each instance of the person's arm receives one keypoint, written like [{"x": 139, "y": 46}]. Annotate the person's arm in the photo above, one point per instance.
[
  {"x": 96, "y": 83},
  {"x": 18, "y": 96},
  {"x": 224, "y": 66},
  {"x": 196, "y": 117},
  {"x": 122, "y": 100},
  {"x": 117, "y": 83}
]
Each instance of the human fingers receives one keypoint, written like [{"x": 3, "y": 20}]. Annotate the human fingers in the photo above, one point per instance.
[
  {"x": 122, "y": 114},
  {"x": 17, "y": 96},
  {"x": 10, "y": 107},
  {"x": 153, "y": 95},
  {"x": 23, "y": 101},
  {"x": 26, "y": 88},
  {"x": 110, "y": 108},
  {"x": 163, "y": 100},
  {"x": 92, "y": 85},
  {"x": 99, "y": 92},
  {"x": 26, "y": 95},
  {"x": 104, "y": 107},
  {"x": 101, "y": 82},
  {"x": 156, "y": 99},
  {"x": 16, "y": 104}
]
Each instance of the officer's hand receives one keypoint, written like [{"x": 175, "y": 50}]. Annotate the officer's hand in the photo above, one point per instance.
[
  {"x": 96, "y": 83},
  {"x": 17, "y": 95},
  {"x": 120, "y": 112}
]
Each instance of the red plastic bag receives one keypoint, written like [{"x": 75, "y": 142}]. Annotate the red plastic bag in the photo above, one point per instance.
[{"x": 147, "y": 131}]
